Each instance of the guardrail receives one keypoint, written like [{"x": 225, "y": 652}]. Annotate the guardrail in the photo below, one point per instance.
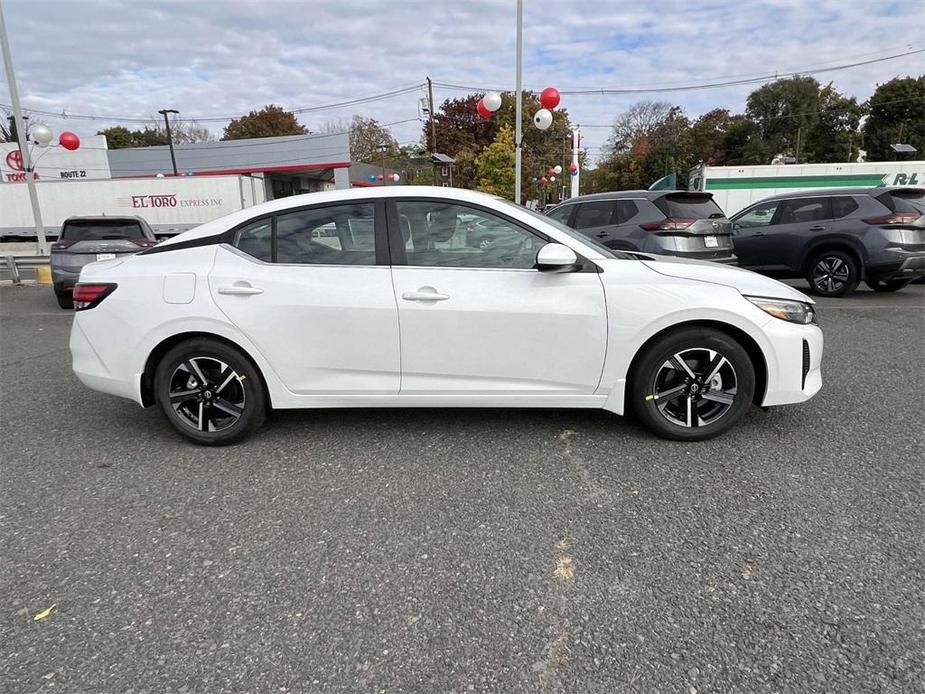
[{"x": 14, "y": 267}]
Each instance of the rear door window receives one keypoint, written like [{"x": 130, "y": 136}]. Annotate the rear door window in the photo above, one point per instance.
[
  {"x": 102, "y": 230},
  {"x": 689, "y": 206},
  {"x": 842, "y": 206},
  {"x": 804, "y": 210},
  {"x": 595, "y": 214},
  {"x": 331, "y": 235},
  {"x": 626, "y": 210}
]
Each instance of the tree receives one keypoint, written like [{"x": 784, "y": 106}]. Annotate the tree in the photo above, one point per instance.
[
  {"x": 896, "y": 115},
  {"x": 8, "y": 125},
  {"x": 496, "y": 165},
  {"x": 270, "y": 121},
  {"x": 119, "y": 137},
  {"x": 637, "y": 122},
  {"x": 785, "y": 111},
  {"x": 833, "y": 134},
  {"x": 186, "y": 132},
  {"x": 366, "y": 137}
]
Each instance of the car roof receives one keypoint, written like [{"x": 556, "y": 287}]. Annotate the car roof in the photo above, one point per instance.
[
  {"x": 624, "y": 194},
  {"x": 829, "y": 192}
]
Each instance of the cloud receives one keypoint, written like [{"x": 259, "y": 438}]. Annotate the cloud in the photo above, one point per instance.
[{"x": 205, "y": 58}]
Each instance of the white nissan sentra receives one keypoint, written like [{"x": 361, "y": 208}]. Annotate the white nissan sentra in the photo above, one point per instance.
[{"x": 380, "y": 298}]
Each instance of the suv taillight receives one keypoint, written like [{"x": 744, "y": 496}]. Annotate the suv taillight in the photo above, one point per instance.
[
  {"x": 670, "y": 224},
  {"x": 91, "y": 294},
  {"x": 62, "y": 245},
  {"x": 894, "y": 218},
  {"x": 144, "y": 243}
]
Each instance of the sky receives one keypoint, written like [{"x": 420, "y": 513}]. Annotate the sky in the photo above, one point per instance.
[{"x": 208, "y": 58}]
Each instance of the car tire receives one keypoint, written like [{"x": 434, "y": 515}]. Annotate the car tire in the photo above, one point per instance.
[
  {"x": 833, "y": 273},
  {"x": 65, "y": 299},
  {"x": 210, "y": 392},
  {"x": 887, "y": 285},
  {"x": 692, "y": 384}
]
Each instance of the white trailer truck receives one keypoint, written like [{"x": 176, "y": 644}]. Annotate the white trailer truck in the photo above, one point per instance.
[
  {"x": 736, "y": 187},
  {"x": 170, "y": 205}
]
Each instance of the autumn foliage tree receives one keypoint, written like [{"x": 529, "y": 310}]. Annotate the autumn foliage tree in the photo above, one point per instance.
[{"x": 270, "y": 121}]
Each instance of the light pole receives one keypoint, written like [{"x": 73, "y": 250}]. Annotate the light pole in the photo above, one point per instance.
[
  {"x": 173, "y": 158},
  {"x": 518, "y": 101},
  {"x": 383, "y": 148},
  {"x": 22, "y": 137}
]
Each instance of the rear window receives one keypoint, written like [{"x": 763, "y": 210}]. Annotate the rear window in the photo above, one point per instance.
[
  {"x": 101, "y": 230},
  {"x": 904, "y": 200},
  {"x": 689, "y": 207}
]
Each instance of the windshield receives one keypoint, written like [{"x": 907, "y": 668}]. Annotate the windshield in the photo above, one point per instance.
[
  {"x": 596, "y": 245},
  {"x": 101, "y": 230}
]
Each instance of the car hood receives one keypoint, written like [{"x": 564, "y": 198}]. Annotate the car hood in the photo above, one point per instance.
[{"x": 747, "y": 282}]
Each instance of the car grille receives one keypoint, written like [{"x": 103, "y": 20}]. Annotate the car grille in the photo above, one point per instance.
[{"x": 805, "y": 362}]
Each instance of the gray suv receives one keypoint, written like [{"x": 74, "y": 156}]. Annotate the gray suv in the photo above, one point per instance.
[
  {"x": 664, "y": 222},
  {"x": 836, "y": 238},
  {"x": 86, "y": 240}
]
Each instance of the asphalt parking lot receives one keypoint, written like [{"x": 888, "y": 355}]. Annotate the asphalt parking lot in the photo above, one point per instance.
[{"x": 473, "y": 550}]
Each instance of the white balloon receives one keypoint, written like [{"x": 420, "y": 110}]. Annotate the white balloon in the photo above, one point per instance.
[
  {"x": 557, "y": 169},
  {"x": 396, "y": 177},
  {"x": 492, "y": 101},
  {"x": 41, "y": 135},
  {"x": 552, "y": 178},
  {"x": 542, "y": 119}
]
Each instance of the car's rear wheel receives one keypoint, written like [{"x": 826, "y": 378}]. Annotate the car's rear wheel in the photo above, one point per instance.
[
  {"x": 210, "y": 392},
  {"x": 887, "y": 285},
  {"x": 833, "y": 273},
  {"x": 692, "y": 384},
  {"x": 65, "y": 298}
]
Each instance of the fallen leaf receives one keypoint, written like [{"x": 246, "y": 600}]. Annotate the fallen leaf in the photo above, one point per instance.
[{"x": 44, "y": 613}]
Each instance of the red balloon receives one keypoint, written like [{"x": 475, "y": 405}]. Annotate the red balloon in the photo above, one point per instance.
[
  {"x": 549, "y": 97},
  {"x": 69, "y": 140},
  {"x": 573, "y": 168},
  {"x": 483, "y": 110},
  {"x": 379, "y": 177}
]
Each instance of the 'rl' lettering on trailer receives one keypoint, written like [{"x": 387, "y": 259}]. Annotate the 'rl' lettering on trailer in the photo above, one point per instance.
[
  {"x": 154, "y": 200},
  {"x": 906, "y": 179}
]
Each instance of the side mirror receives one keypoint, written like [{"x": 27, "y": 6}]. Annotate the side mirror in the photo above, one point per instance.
[{"x": 554, "y": 257}]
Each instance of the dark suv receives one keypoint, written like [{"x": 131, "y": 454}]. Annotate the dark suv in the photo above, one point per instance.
[
  {"x": 836, "y": 238},
  {"x": 665, "y": 222}
]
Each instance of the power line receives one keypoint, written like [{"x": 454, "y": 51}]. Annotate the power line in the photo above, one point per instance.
[{"x": 706, "y": 85}]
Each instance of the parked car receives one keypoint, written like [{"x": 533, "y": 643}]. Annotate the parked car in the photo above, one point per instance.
[
  {"x": 89, "y": 239},
  {"x": 664, "y": 222},
  {"x": 836, "y": 238},
  {"x": 252, "y": 311}
]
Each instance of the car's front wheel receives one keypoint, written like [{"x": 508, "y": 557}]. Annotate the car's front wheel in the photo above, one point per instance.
[
  {"x": 692, "y": 384},
  {"x": 887, "y": 285},
  {"x": 210, "y": 392},
  {"x": 833, "y": 273}
]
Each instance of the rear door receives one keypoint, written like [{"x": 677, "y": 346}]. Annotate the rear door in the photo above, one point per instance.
[
  {"x": 597, "y": 219},
  {"x": 312, "y": 289}
]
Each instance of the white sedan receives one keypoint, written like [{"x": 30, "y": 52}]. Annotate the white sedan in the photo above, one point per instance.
[{"x": 376, "y": 298}]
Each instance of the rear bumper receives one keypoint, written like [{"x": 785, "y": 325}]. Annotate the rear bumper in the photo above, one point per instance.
[
  {"x": 907, "y": 265},
  {"x": 64, "y": 280},
  {"x": 90, "y": 370}
]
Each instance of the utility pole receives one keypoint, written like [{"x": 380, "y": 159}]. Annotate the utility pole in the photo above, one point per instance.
[
  {"x": 22, "y": 137},
  {"x": 173, "y": 158},
  {"x": 433, "y": 131},
  {"x": 518, "y": 109}
]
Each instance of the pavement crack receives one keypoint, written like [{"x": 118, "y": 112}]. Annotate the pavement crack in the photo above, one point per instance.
[{"x": 548, "y": 670}]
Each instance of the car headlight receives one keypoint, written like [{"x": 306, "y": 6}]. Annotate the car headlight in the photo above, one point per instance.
[{"x": 791, "y": 311}]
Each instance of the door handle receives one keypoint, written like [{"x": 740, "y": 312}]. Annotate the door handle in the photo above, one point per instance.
[
  {"x": 758, "y": 233},
  {"x": 602, "y": 234},
  {"x": 425, "y": 294},
  {"x": 817, "y": 227},
  {"x": 240, "y": 289}
]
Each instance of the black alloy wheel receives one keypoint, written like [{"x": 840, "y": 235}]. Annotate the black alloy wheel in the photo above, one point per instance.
[{"x": 833, "y": 273}]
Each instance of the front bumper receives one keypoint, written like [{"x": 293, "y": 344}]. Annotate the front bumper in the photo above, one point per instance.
[{"x": 794, "y": 365}]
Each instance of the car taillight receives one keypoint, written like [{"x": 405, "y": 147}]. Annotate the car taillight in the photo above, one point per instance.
[
  {"x": 895, "y": 218},
  {"x": 61, "y": 245},
  {"x": 144, "y": 243},
  {"x": 91, "y": 294},
  {"x": 670, "y": 224}
]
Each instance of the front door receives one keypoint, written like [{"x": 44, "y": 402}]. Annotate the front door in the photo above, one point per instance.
[
  {"x": 478, "y": 319},
  {"x": 306, "y": 288}
]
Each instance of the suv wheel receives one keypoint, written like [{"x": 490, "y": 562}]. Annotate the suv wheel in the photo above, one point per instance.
[
  {"x": 210, "y": 392},
  {"x": 833, "y": 273},
  {"x": 693, "y": 384},
  {"x": 886, "y": 285}
]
